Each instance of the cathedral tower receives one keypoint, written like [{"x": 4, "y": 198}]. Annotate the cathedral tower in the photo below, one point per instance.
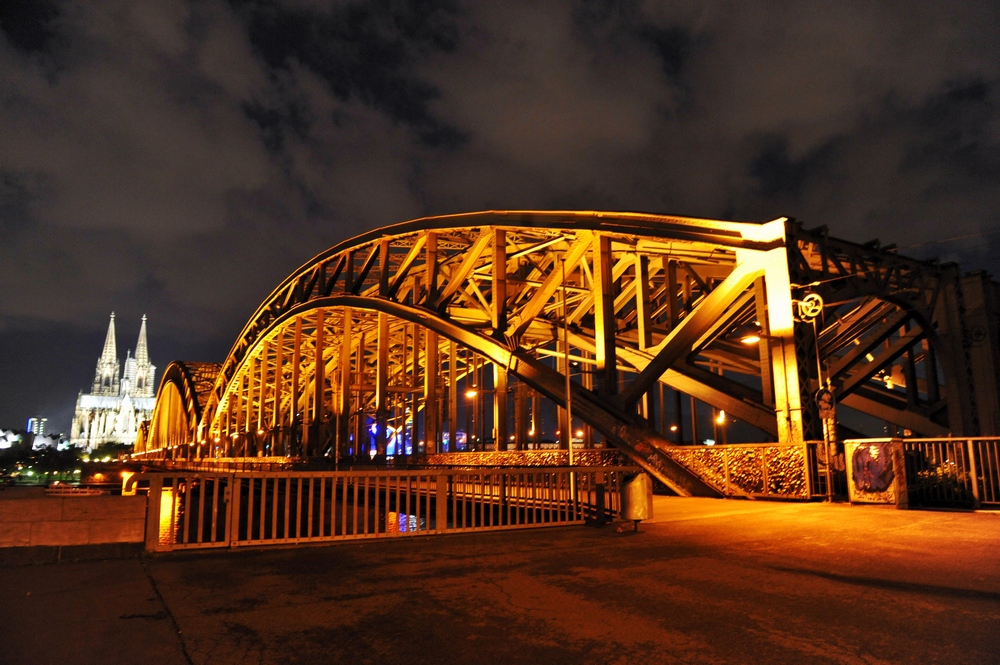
[
  {"x": 106, "y": 377},
  {"x": 137, "y": 380},
  {"x": 144, "y": 370}
]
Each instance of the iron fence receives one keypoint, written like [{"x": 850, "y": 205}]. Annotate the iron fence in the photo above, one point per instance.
[
  {"x": 961, "y": 472},
  {"x": 766, "y": 470},
  {"x": 190, "y": 509},
  {"x": 827, "y": 470},
  {"x": 228, "y": 464}
]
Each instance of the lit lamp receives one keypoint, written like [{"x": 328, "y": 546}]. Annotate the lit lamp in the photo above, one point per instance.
[
  {"x": 720, "y": 426},
  {"x": 750, "y": 333},
  {"x": 470, "y": 394}
]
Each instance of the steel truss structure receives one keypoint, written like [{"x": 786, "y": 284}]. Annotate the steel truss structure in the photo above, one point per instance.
[{"x": 457, "y": 332}]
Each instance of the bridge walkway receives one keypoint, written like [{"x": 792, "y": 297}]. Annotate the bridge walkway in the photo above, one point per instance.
[{"x": 703, "y": 582}]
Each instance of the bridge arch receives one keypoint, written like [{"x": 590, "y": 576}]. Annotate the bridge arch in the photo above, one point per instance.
[
  {"x": 634, "y": 307},
  {"x": 180, "y": 401}
]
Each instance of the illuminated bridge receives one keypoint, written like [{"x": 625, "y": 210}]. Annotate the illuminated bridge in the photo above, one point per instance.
[{"x": 476, "y": 334}]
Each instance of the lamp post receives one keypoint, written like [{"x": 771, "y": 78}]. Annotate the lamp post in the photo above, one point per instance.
[
  {"x": 809, "y": 309},
  {"x": 470, "y": 408},
  {"x": 569, "y": 392}
]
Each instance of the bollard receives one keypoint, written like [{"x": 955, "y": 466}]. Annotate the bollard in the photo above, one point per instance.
[
  {"x": 599, "y": 509},
  {"x": 899, "y": 483},
  {"x": 637, "y": 499}
]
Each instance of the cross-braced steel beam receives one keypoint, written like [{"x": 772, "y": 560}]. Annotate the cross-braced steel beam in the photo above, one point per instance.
[{"x": 449, "y": 333}]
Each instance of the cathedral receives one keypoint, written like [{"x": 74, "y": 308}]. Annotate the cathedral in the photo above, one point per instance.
[{"x": 119, "y": 401}]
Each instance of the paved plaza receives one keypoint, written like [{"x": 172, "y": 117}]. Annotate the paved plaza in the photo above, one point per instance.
[{"x": 705, "y": 581}]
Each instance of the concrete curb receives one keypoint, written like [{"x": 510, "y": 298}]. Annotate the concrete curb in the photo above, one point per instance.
[{"x": 48, "y": 554}]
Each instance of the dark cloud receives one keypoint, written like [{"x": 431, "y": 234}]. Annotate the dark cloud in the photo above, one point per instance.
[
  {"x": 29, "y": 25},
  {"x": 178, "y": 159},
  {"x": 360, "y": 51}
]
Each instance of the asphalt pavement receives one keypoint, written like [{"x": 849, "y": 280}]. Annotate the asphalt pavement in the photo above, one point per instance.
[{"x": 705, "y": 581}]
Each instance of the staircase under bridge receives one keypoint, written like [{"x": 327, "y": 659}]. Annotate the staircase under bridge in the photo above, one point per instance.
[{"x": 514, "y": 331}]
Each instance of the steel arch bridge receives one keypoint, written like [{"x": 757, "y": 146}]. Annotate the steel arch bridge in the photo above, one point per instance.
[{"x": 478, "y": 330}]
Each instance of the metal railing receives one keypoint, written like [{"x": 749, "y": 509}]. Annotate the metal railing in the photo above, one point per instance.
[
  {"x": 228, "y": 464},
  {"x": 827, "y": 472},
  {"x": 190, "y": 510},
  {"x": 765, "y": 470},
  {"x": 953, "y": 471},
  {"x": 939, "y": 472}
]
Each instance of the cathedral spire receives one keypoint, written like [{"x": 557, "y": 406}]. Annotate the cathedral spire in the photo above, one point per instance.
[
  {"x": 110, "y": 354},
  {"x": 141, "y": 352},
  {"x": 106, "y": 376},
  {"x": 143, "y": 377}
]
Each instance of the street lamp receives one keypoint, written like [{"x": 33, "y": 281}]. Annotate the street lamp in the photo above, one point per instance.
[
  {"x": 470, "y": 409},
  {"x": 720, "y": 426}
]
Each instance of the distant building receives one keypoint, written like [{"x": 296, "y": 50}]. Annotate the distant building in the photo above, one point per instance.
[
  {"x": 9, "y": 438},
  {"x": 117, "y": 402},
  {"x": 37, "y": 425},
  {"x": 57, "y": 441}
]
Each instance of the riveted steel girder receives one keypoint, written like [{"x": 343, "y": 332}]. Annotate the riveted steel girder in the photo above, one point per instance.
[{"x": 388, "y": 324}]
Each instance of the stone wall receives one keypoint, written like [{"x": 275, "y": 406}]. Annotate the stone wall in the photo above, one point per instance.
[{"x": 31, "y": 519}]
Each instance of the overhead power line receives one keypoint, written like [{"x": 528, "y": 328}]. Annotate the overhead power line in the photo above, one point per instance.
[{"x": 981, "y": 234}]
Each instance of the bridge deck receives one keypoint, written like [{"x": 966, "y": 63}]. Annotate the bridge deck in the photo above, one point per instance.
[{"x": 705, "y": 581}]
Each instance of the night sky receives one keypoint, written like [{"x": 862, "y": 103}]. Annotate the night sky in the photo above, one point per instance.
[{"x": 179, "y": 159}]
